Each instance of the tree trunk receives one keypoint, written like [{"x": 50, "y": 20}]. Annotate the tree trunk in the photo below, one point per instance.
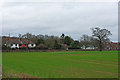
[{"x": 100, "y": 45}]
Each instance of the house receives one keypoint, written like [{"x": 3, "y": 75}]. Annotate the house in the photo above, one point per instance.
[
  {"x": 17, "y": 43},
  {"x": 108, "y": 46},
  {"x": 90, "y": 47},
  {"x": 112, "y": 46}
]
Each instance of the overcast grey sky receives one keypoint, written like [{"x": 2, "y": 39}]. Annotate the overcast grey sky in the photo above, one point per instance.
[{"x": 55, "y": 18}]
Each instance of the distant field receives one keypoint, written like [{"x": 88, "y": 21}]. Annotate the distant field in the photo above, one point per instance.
[{"x": 74, "y": 64}]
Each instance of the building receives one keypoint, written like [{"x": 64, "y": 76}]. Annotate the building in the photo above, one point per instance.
[
  {"x": 17, "y": 43},
  {"x": 112, "y": 46},
  {"x": 90, "y": 47},
  {"x": 108, "y": 46}
]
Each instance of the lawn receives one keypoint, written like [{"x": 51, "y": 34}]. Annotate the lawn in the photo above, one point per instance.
[{"x": 74, "y": 64}]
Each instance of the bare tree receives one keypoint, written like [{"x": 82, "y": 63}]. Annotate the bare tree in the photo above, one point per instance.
[
  {"x": 20, "y": 35},
  {"x": 101, "y": 36},
  {"x": 85, "y": 41}
]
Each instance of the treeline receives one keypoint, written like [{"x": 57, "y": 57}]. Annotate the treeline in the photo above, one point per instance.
[
  {"x": 51, "y": 42},
  {"x": 97, "y": 40}
]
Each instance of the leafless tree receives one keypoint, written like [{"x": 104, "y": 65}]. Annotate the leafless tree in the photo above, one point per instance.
[
  {"x": 101, "y": 36},
  {"x": 85, "y": 41}
]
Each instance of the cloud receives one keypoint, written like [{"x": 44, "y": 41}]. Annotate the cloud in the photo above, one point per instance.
[
  {"x": 74, "y": 19},
  {"x": 61, "y": 0}
]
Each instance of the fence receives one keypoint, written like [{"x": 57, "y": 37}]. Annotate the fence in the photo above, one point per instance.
[{"x": 49, "y": 50}]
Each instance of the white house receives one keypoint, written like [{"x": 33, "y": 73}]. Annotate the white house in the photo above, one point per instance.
[
  {"x": 90, "y": 47},
  {"x": 18, "y": 43}
]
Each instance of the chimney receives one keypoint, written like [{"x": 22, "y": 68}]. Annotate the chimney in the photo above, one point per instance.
[{"x": 9, "y": 37}]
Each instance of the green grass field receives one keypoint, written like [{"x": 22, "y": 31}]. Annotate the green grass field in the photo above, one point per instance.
[
  {"x": 74, "y": 64},
  {"x": 0, "y": 58}
]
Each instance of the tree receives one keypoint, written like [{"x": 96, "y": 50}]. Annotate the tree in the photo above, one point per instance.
[
  {"x": 30, "y": 37},
  {"x": 40, "y": 41},
  {"x": 85, "y": 41},
  {"x": 63, "y": 35},
  {"x": 75, "y": 45},
  {"x": 101, "y": 36},
  {"x": 67, "y": 40},
  {"x": 50, "y": 42},
  {"x": 56, "y": 45},
  {"x": 27, "y": 35},
  {"x": 62, "y": 38},
  {"x": 20, "y": 35},
  {"x": 94, "y": 42}
]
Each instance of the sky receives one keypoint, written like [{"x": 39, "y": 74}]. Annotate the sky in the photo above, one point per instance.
[{"x": 54, "y": 18}]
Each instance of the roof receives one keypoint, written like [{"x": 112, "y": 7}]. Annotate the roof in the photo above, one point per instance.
[
  {"x": 16, "y": 41},
  {"x": 114, "y": 44}
]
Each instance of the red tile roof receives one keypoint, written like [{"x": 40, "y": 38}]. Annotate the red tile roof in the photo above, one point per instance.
[
  {"x": 16, "y": 41},
  {"x": 114, "y": 44}
]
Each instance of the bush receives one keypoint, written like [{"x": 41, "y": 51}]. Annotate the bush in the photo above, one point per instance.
[
  {"x": 5, "y": 47},
  {"x": 41, "y": 46}
]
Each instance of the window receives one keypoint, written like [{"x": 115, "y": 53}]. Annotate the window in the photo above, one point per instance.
[
  {"x": 11, "y": 44},
  {"x": 15, "y": 44},
  {"x": 31, "y": 44}
]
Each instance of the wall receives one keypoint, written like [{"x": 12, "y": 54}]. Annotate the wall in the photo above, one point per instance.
[{"x": 15, "y": 46}]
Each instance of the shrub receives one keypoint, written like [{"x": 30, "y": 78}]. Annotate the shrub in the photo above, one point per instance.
[{"x": 42, "y": 46}]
